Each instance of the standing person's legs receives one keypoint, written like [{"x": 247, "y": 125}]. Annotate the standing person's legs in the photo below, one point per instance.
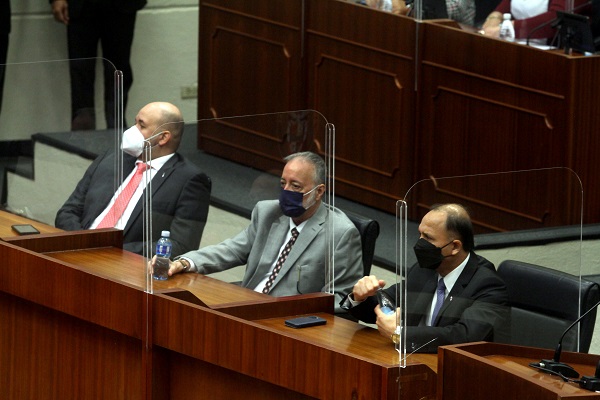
[
  {"x": 3, "y": 55},
  {"x": 83, "y": 34},
  {"x": 117, "y": 39}
]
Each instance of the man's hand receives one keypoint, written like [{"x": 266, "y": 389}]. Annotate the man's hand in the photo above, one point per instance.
[
  {"x": 366, "y": 287},
  {"x": 60, "y": 10},
  {"x": 175, "y": 267},
  {"x": 386, "y": 323}
]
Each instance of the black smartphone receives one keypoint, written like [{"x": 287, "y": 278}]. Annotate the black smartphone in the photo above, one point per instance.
[
  {"x": 305, "y": 322},
  {"x": 25, "y": 229},
  {"x": 387, "y": 304}
]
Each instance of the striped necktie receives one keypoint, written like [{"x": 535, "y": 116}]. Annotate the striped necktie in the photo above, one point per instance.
[{"x": 280, "y": 261}]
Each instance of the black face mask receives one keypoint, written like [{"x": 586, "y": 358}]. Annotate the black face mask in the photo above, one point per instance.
[{"x": 428, "y": 255}]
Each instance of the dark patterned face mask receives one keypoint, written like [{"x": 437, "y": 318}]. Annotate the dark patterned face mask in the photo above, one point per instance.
[
  {"x": 428, "y": 255},
  {"x": 291, "y": 203}
]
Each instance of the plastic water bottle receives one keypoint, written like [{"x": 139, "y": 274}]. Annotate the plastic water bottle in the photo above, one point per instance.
[
  {"x": 163, "y": 254},
  {"x": 507, "y": 30},
  {"x": 386, "y": 5}
]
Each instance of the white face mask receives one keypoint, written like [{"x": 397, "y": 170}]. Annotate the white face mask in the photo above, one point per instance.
[{"x": 133, "y": 141}]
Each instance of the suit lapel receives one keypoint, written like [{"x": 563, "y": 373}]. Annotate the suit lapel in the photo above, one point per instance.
[
  {"x": 310, "y": 231},
  {"x": 461, "y": 283},
  {"x": 423, "y": 300},
  {"x": 275, "y": 238}
]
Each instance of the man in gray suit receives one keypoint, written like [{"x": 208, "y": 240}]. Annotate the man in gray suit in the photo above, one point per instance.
[{"x": 261, "y": 244}]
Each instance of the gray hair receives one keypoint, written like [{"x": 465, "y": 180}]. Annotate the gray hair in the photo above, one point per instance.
[{"x": 315, "y": 160}]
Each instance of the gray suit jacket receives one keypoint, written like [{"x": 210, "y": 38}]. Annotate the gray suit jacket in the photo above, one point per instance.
[{"x": 304, "y": 270}]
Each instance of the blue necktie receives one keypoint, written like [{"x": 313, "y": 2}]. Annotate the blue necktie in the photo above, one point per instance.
[{"x": 441, "y": 291}]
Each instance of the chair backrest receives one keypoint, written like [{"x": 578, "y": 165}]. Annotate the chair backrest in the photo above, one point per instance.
[
  {"x": 545, "y": 302},
  {"x": 369, "y": 231}
]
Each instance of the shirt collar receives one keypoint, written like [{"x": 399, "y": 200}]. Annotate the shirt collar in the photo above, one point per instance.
[{"x": 452, "y": 277}]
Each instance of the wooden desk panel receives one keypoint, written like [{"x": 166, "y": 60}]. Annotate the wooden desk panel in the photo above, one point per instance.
[
  {"x": 492, "y": 106},
  {"x": 495, "y": 371},
  {"x": 341, "y": 359},
  {"x": 87, "y": 310},
  {"x": 48, "y": 355}
]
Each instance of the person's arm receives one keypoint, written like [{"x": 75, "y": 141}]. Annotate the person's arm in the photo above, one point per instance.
[
  {"x": 361, "y": 302},
  {"x": 348, "y": 264},
  {"x": 69, "y": 216},
  {"x": 491, "y": 26},
  {"x": 60, "y": 10},
  {"x": 524, "y": 26},
  {"x": 228, "y": 254}
]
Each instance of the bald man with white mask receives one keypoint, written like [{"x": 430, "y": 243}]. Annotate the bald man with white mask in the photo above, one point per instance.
[{"x": 180, "y": 191}]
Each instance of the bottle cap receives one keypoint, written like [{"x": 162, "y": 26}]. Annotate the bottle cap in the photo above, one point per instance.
[
  {"x": 507, "y": 16},
  {"x": 165, "y": 234}
]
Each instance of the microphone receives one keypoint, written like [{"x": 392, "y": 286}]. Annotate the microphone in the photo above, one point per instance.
[
  {"x": 555, "y": 22},
  {"x": 555, "y": 365},
  {"x": 591, "y": 382}
]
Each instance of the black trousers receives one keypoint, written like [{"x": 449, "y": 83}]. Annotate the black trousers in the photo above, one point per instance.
[
  {"x": 98, "y": 24},
  {"x": 3, "y": 55}
]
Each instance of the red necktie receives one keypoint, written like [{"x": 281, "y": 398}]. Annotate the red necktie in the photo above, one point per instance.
[
  {"x": 281, "y": 260},
  {"x": 116, "y": 211}
]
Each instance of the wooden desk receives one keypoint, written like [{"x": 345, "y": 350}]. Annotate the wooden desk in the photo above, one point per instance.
[
  {"x": 80, "y": 325},
  {"x": 8, "y": 219},
  {"x": 496, "y": 371}
]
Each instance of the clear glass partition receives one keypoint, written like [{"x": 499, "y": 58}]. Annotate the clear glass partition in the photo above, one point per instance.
[
  {"x": 532, "y": 216},
  {"x": 48, "y": 144},
  {"x": 239, "y": 237}
]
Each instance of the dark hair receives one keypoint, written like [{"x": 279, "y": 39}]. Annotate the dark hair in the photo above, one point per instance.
[
  {"x": 459, "y": 223},
  {"x": 313, "y": 159}
]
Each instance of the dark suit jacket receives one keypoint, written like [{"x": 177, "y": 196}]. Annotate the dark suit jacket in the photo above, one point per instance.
[
  {"x": 476, "y": 309},
  {"x": 180, "y": 199},
  {"x": 4, "y": 16}
]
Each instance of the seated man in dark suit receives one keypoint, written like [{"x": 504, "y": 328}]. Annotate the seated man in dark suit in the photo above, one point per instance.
[
  {"x": 470, "y": 302},
  {"x": 180, "y": 191},
  {"x": 273, "y": 267}
]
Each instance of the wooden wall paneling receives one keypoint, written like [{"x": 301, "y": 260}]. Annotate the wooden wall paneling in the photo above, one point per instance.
[
  {"x": 360, "y": 74},
  {"x": 585, "y": 138},
  {"x": 485, "y": 108},
  {"x": 250, "y": 63},
  {"x": 409, "y": 101}
]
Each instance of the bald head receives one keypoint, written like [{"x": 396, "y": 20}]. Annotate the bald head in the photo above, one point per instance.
[
  {"x": 164, "y": 118},
  {"x": 458, "y": 223}
]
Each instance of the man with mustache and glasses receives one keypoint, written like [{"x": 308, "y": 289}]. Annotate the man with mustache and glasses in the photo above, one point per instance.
[
  {"x": 453, "y": 295},
  {"x": 272, "y": 265},
  {"x": 180, "y": 191}
]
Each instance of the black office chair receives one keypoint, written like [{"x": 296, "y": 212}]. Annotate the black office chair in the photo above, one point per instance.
[
  {"x": 369, "y": 232},
  {"x": 545, "y": 302}
]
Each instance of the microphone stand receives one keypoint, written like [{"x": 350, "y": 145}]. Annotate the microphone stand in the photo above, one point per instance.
[
  {"x": 555, "y": 22},
  {"x": 555, "y": 365}
]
